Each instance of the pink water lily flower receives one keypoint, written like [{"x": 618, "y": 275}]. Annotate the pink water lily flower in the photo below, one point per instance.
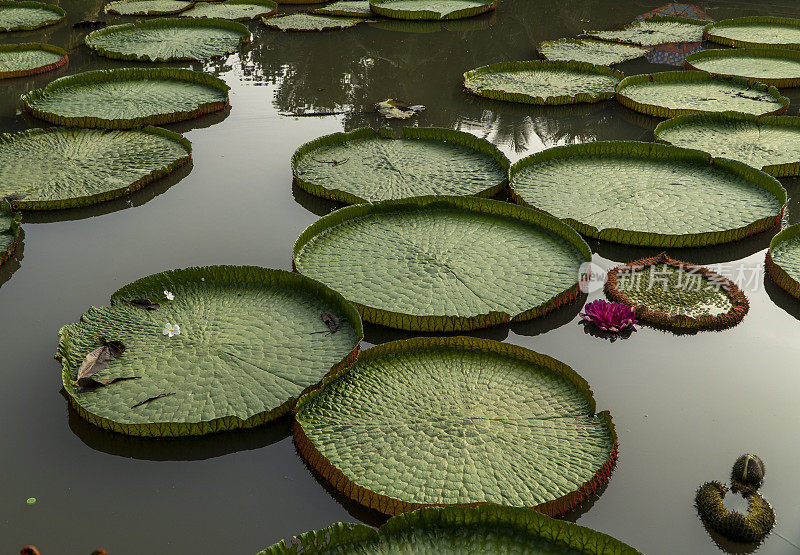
[{"x": 613, "y": 317}]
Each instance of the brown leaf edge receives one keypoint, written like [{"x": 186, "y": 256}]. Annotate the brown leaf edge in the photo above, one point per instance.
[
  {"x": 738, "y": 311},
  {"x": 61, "y": 62}
]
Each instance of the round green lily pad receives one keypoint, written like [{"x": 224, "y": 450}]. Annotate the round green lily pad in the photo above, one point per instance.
[
  {"x": 771, "y": 143},
  {"x": 431, "y": 9},
  {"x": 457, "y": 530},
  {"x": 672, "y": 93},
  {"x": 783, "y": 260},
  {"x": 128, "y": 97},
  {"x": 169, "y": 39},
  {"x": 668, "y": 292},
  {"x": 309, "y": 22},
  {"x": 30, "y": 58},
  {"x": 369, "y": 166},
  {"x": 444, "y": 263},
  {"x": 589, "y": 51},
  {"x": 147, "y": 7},
  {"x": 771, "y": 66},
  {"x": 239, "y": 10},
  {"x": 654, "y": 31},
  {"x": 26, "y": 16},
  {"x": 251, "y": 341},
  {"x": 756, "y": 32},
  {"x": 543, "y": 82},
  {"x": 9, "y": 231},
  {"x": 65, "y": 167},
  {"x": 345, "y": 8},
  {"x": 457, "y": 421},
  {"x": 648, "y": 194}
]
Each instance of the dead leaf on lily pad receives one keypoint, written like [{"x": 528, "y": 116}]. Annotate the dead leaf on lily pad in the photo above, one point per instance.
[
  {"x": 159, "y": 396},
  {"x": 146, "y": 304},
  {"x": 88, "y": 384},
  {"x": 96, "y": 361},
  {"x": 397, "y": 109}
]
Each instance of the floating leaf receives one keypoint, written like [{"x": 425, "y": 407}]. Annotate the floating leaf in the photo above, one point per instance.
[
  {"x": 169, "y": 39},
  {"x": 309, "y": 22},
  {"x": 431, "y": 9},
  {"x": 30, "y": 58},
  {"x": 9, "y": 230},
  {"x": 146, "y": 304},
  {"x": 444, "y": 263},
  {"x": 245, "y": 353},
  {"x": 369, "y": 166},
  {"x": 783, "y": 260},
  {"x": 672, "y": 93},
  {"x": 147, "y": 7},
  {"x": 589, "y": 51},
  {"x": 345, "y": 8},
  {"x": 128, "y": 97},
  {"x": 655, "y": 30},
  {"x": 397, "y": 109},
  {"x": 648, "y": 194},
  {"x": 771, "y": 66},
  {"x": 455, "y": 421},
  {"x": 26, "y": 16},
  {"x": 153, "y": 398},
  {"x": 239, "y": 10},
  {"x": 756, "y": 32},
  {"x": 543, "y": 82}
]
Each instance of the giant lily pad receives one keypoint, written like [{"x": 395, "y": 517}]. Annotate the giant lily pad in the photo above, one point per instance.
[
  {"x": 431, "y": 9},
  {"x": 251, "y": 341},
  {"x": 771, "y": 143},
  {"x": 239, "y": 10},
  {"x": 771, "y": 66},
  {"x": 309, "y": 22},
  {"x": 783, "y": 259},
  {"x": 345, "y": 8},
  {"x": 588, "y": 51},
  {"x": 369, "y": 166},
  {"x": 672, "y": 93},
  {"x": 444, "y": 263},
  {"x": 128, "y": 97},
  {"x": 168, "y": 39},
  {"x": 668, "y": 292},
  {"x": 655, "y": 30},
  {"x": 147, "y": 7},
  {"x": 9, "y": 230},
  {"x": 457, "y": 530},
  {"x": 756, "y": 32},
  {"x": 26, "y": 16},
  {"x": 66, "y": 167},
  {"x": 648, "y": 194},
  {"x": 19, "y": 60},
  {"x": 457, "y": 421},
  {"x": 543, "y": 82}
]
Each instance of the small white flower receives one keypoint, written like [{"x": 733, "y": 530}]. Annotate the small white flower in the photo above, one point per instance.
[
  {"x": 169, "y": 295},
  {"x": 172, "y": 330}
]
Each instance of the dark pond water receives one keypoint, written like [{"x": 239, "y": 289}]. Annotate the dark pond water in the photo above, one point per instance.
[{"x": 684, "y": 406}]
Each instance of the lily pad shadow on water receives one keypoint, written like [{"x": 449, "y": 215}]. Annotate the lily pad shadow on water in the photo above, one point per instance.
[{"x": 780, "y": 297}]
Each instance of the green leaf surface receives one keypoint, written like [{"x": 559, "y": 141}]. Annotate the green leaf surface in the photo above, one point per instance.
[
  {"x": 345, "y": 8},
  {"x": 309, "y": 22},
  {"x": 18, "y": 60},
  {"x": 457, "y": 530},
  {"x": 169, "y": 39},
  {"x": 126, "y": 98},
  {"x": 771, "y": 143},
  {"x": 26, "y": 16},
  {"x": 147, "y": 7},
  {"x": 431, "y": 9},
  {"x": 758, "y": 31},
  {"x": 9, "y": 231},
  {"x": 589, "y": 51},
  {"x": 67, "y": 167},
  {"x": 771, "y": 66},
  {"x": 783, "y": 259},
  {"x": 251, "y": 340},
  {"x": 444, "y": 263},
  {"x": 655, "y": 30},
  {"x": 453, "y": 421},
  {"x": 238, "y": 10},
  {"x": 368, "y": 166},
  {"x": 672, "y": 93},
  {"x": 648, "y": 194},
  {"x": 543, "y": 82}
]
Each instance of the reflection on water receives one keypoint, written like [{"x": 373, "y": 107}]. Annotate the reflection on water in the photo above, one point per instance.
[{"x": 14, "y": 262}]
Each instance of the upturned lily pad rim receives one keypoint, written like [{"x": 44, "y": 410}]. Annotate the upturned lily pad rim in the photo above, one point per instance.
[
  {"x": 708, "y": 32},
  {"x": 637, "y": 23},
  {"x": 34, "y": 70},
  {"x": 353, "y": 21},
  {"x": 496, "y": 517},
  {"x": 164, "y": 22},
  {"x": 739, "y": 304},
  {"x": 689, "y": 76},
  {"x": 271, "y": 4},
  {"x": 252, "y": 274},
  {"x": 636, "y": 149},
  {"x": 699, "y": 119},
  {"x": 100, "y": 75},
  {"x": 382, "y": 7},
  {"x": 75, "y": 202},
  {"x": 459, "y": 138},
  {"x": 389, "y": 505},
  {"x": 767, "y": 53},
  {"x": 448, "y": 323},
  {"x": 14, "y": 230},
  {"x": 545, "y": 43},
  {"x": 542, "y": 64},
  {"x": 38, "y": 5},
  {"x": 780, "y": 276},
  {"x": 109, "y": 8}
]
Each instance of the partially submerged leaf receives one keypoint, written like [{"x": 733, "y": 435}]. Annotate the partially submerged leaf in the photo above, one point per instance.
[
  {"x": 397, "y": 109},
  {"x": 431, "y": 9},
  {"x": 237, "y": 10},
  {"x": 655, "y": 30},
  {"x": 309, "y": 22},
  {"x": 589, "y": 51},
  {"x": 147, "y": 7},
  {"x": 345, "y": 8}
]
